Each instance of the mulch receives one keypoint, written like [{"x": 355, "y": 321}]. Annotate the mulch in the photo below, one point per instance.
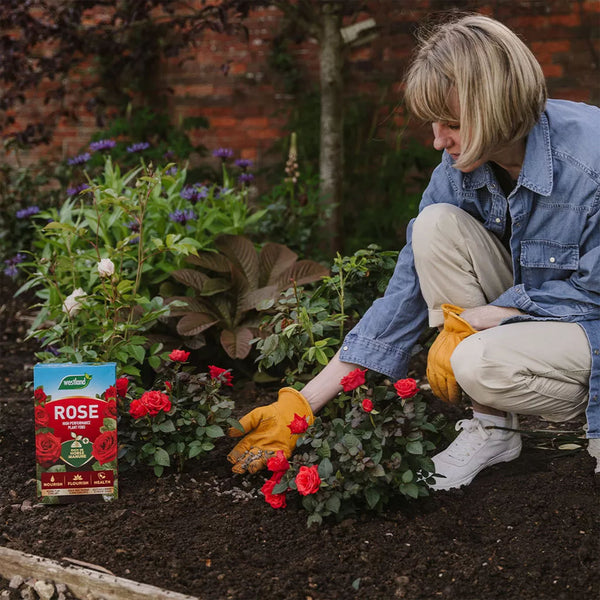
[{"x": 526, "y": 530}]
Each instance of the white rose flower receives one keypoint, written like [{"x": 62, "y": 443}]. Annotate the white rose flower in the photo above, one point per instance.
[
  {"x": 71, "y": 306},
  {"x": 106, "y": 267}
]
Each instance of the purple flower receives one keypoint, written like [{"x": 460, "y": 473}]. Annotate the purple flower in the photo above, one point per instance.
[
  {"x": 183, "y": 216},
  {"x": 11, "y": 269},
  {"x": 80, "y": 159},
  {"x": 194, "y": 193},
  {"x": 245, "y": 178},
  {"x": 134, "y": 226},
  {"x": 172, "y": 171},
  {"x": 73, "y": 191},
  {"x": 169, "y": 155},
  {"x": 138, "y": 147},
  {"x": 223, "y": 153},
  {"x": 24, "y": 213},
  {"x": 222, "y": 191},
  {"x": 243, "y": 163},
  {"x": 102, "y": 145}
]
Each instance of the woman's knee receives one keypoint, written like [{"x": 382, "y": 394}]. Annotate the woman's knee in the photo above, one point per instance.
[
  {"x": 486, "y": 381},
  {"x": 435, "y": 222}
]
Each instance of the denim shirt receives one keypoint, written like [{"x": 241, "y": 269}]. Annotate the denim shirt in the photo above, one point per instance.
[{"x": 555, "y": 245}]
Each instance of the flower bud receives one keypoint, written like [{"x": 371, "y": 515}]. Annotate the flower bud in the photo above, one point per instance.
[
  {"x": 106, "y": 267},
  {"x": 71, "y": 306}
]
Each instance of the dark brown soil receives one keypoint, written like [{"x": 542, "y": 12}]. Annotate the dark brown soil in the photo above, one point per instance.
[{"x": 527, "y": 530}]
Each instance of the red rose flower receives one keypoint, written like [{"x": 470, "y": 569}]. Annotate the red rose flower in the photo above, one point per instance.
[
  {"x": 137, "y": 410},
  {"x": 299, "y": 424},
  {"x": 110, "y": 393},
  {"x": 47, "y": 449},
  {"x": 155, "y": 402},
  {"x": 278, "y": 463},
  {"x": 41, "y": 417},
  {"x": 169, "y": 386},
  {"x": 275, "y": 500},
  {"x": 122, "y": 384},
  {"x": 223, "y": 375},
  {"x": 110, "y": 410},
  {"x": 353, "y": 380},
  {"x": 406, "y": 388},
  {"x": 179, "y": 355},
  {"x": 40, "y": 395},
  {"x": 367, "y": 405},
  {"x": 308, "y": 480},
  {"x": 105, "y": 447}
]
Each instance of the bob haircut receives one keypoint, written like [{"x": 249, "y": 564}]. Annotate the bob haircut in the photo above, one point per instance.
[{"x": 499, "y": 84}]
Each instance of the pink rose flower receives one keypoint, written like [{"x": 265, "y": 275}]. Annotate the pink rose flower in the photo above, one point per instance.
[
  {"x": 299, "y": 424},
  {"x": 406, "y": 388},
  {"x": 353, "y": 380},
  {"x": 308, "y": 480}
]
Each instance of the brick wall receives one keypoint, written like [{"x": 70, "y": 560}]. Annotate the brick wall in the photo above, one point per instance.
[{"x": 247, "y": 107}]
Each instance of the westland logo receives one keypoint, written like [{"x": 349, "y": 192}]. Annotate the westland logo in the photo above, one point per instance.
[{"x": 75, "y": 382}]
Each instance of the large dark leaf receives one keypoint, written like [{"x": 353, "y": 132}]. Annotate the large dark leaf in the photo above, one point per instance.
[
  {"x": 240, "y": 251},
  {"x": 304, "y": 271},
  {"x": 236, "y": 342},
  {"x": 194, "y": 323},
  {"x": 191, "y": 305},
  {"x": 274, "y": 259},
  {"x": 211, "y": 261},
  {"x": 192, "y": 278}
]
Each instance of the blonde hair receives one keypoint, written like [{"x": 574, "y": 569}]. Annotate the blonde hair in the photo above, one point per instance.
[{"x": 499, "y": 84}]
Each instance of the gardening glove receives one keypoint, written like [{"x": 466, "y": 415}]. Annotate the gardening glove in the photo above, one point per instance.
[
  {"x": 439, "y": 371},
  {"x": 266, "y": 431}
]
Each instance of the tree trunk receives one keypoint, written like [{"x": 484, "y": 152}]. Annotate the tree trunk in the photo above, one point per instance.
[{"x": 331, "y": 162}]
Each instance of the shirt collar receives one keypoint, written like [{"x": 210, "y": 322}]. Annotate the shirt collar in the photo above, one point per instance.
[{"x": 536, "y": 173}]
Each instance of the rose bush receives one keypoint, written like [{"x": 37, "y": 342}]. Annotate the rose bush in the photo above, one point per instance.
[
  {"x": 179, "y": 422},
  {"x": 363, "y": 450}
]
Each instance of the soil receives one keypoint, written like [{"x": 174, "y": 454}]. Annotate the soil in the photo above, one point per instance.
[{"x": 525, "y": 530}]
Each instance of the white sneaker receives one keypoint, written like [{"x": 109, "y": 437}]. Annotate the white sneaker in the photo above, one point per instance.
[{"x": 478, "y": 445}]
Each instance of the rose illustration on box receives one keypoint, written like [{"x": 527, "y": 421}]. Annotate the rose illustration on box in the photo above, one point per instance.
[{"x": 76, "y": 444}]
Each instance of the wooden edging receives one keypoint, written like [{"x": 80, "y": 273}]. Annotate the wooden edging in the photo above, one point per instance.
[{"x": 81, "y": 581}]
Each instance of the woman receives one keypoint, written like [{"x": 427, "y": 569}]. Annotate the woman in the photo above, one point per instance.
[{"x": 504, "y": 258}]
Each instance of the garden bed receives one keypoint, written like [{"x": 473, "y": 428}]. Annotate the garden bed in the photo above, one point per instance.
[{"x": 529, "y": 529}]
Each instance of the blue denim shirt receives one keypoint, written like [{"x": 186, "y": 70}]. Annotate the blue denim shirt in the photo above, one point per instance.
[{"x": 555, "y": 244}]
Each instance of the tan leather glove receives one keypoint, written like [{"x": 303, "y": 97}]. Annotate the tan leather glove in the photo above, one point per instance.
[
  {"x": 266, "y": 431},
  {"x": 439, "y": 370}
]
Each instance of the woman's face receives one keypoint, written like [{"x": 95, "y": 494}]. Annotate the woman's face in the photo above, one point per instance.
[{"x": 446, "y": 135}]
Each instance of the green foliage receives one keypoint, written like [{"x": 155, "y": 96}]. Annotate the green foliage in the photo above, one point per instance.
[
  {"x": 365, "y": 458},
  {"x": 240, "y": 283},
  {"x": 384, "y": 177},
  {"x": 306, "y": 327},
  {"x": 92, "y": 273},
  {"x": 186, "y": 428},
  {"x": 22, "y": 188}
]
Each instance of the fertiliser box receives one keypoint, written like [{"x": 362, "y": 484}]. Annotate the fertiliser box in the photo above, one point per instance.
[{"x": 75, "y": 431}]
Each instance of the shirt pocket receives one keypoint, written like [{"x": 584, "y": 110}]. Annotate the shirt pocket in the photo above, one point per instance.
[{"x": 543, "y": 260}]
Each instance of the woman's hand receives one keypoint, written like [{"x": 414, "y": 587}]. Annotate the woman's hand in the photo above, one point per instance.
[{"x": 484, "y": 317}]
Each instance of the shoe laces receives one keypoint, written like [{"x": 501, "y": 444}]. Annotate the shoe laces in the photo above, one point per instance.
[{"x": 472, "y": 435}]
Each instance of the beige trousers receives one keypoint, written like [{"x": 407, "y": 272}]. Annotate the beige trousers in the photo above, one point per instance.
[{"x": 532, "y": 368}]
